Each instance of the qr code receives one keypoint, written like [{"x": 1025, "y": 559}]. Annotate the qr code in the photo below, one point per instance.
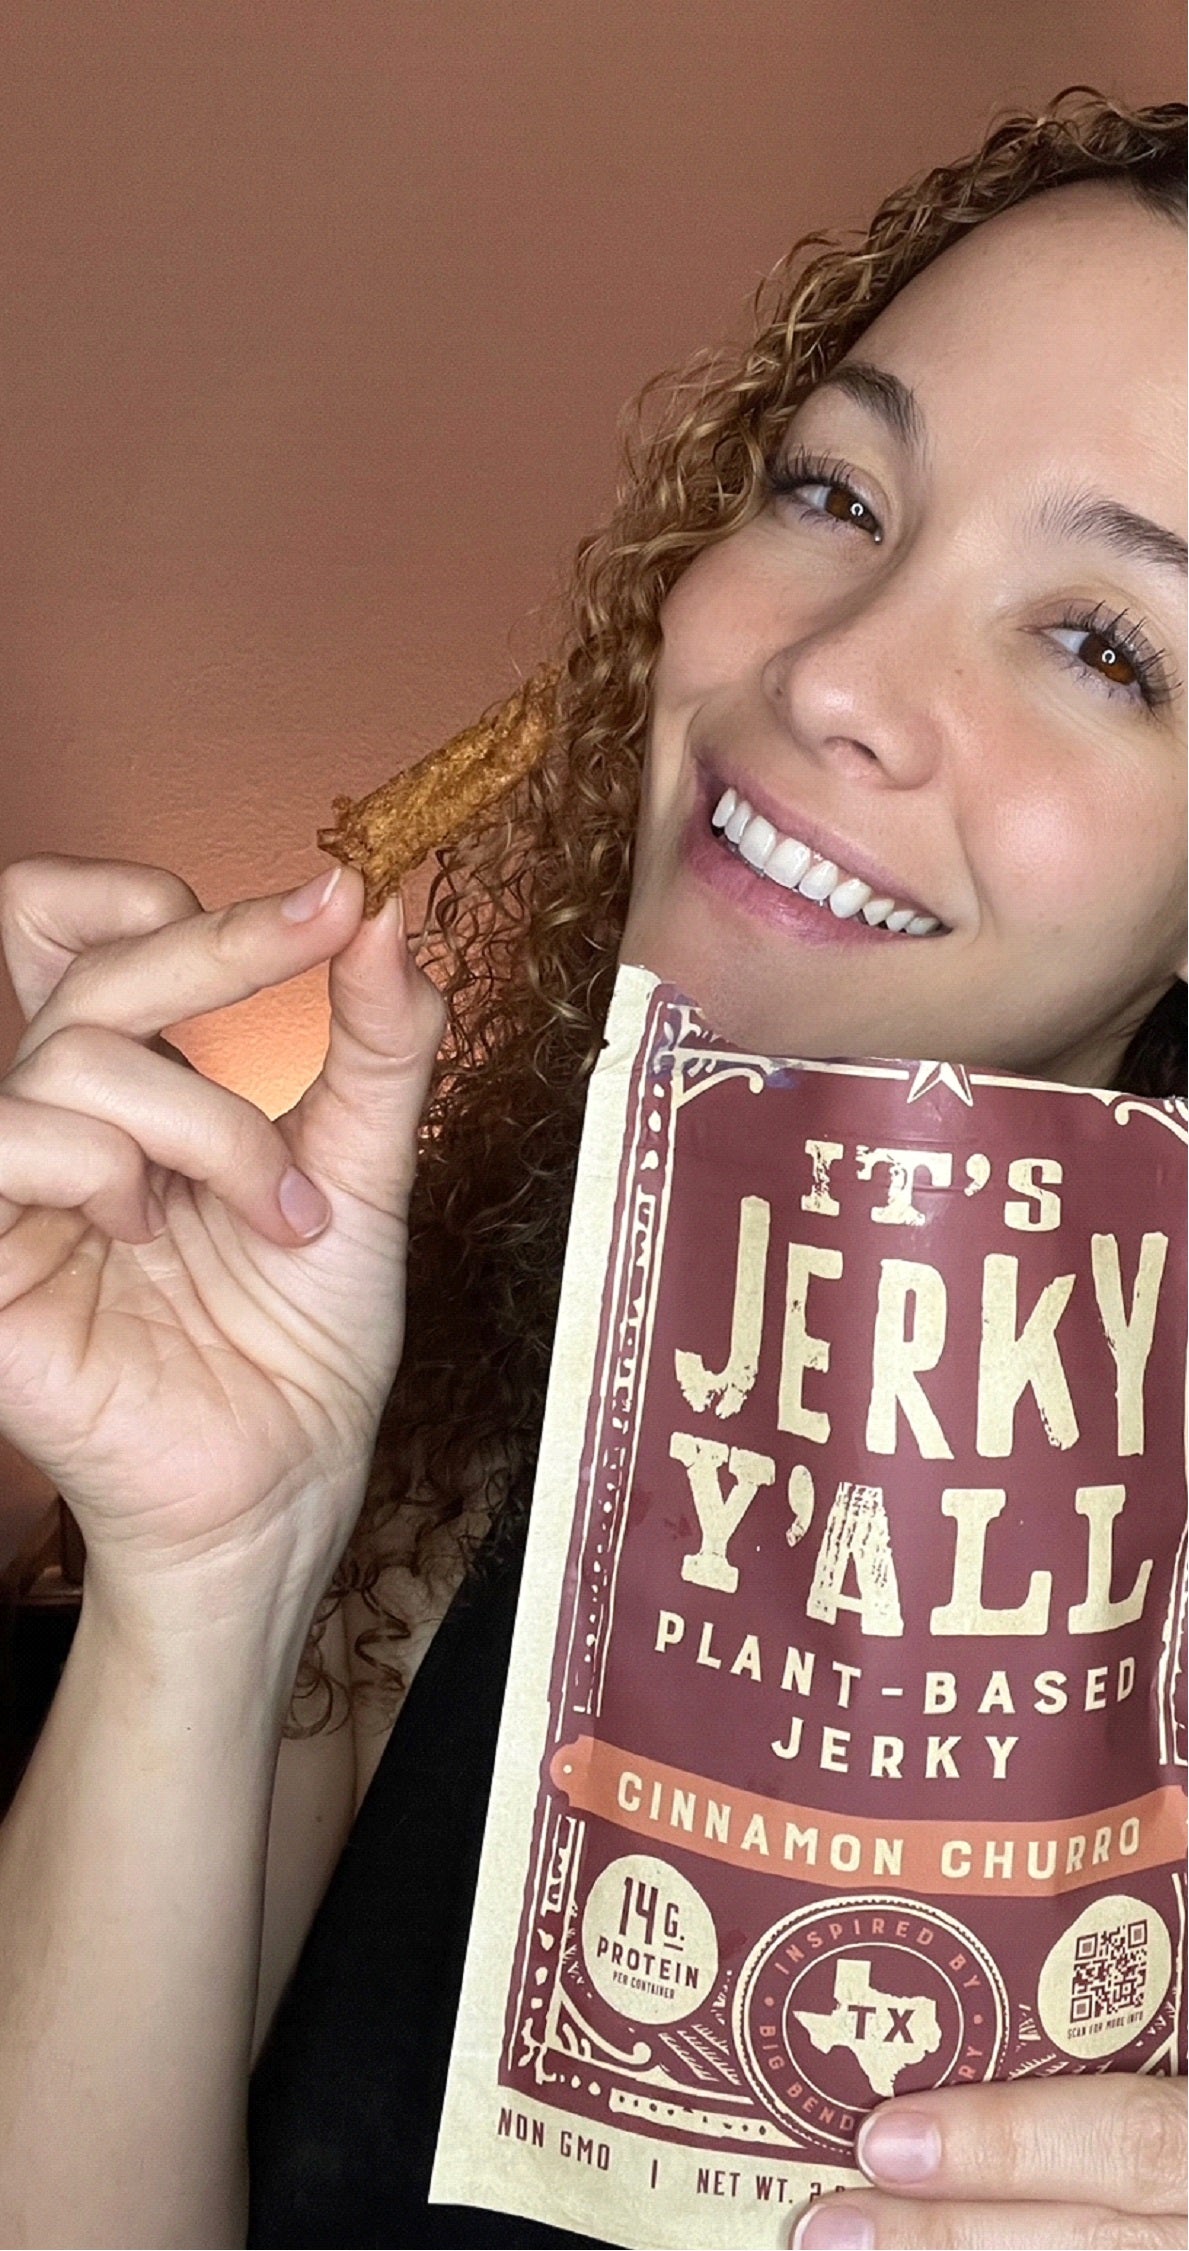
[{"x": 1110, "y": 1972}]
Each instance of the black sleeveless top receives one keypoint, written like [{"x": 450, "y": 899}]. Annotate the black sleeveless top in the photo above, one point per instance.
[{"x": 347, "y": 2092}]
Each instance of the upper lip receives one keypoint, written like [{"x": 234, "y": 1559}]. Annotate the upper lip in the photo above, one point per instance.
[{"x": 826, "y": 843}]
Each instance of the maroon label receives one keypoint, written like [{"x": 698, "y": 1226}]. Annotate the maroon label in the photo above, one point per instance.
[{"x": 865, "y": 1756}]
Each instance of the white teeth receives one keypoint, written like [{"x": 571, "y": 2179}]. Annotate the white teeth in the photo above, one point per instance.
[
  {"x": 819, "y": 880},
  {"x": 795, "y": 867},
  {"x": 758, "y": 841},
  {"x": 849, "y": 897},
  {"x": 788, "y": 863}
]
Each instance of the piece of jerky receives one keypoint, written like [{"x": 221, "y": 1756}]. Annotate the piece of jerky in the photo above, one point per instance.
[{"x": 385, "y": 835}]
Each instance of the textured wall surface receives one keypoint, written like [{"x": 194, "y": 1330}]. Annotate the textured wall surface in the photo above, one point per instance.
[{"x": 316, "y": 325}]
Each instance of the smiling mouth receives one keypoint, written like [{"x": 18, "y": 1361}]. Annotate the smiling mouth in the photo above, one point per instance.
[{"x": 794, "y": 867}]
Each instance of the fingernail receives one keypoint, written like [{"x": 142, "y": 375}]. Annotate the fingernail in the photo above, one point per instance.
[
  {"x": 901, "y": 2145},
  {"x": 303, "y": 905},
  {"x": 833, "y": 2225},
  {"x": 304, "y": 1206}
]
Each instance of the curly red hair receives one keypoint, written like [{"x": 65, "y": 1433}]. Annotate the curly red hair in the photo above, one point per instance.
[{"x": 525, "y": 913}]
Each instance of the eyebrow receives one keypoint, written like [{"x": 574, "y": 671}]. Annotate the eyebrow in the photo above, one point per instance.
[{"x": 1083, "y": 515}]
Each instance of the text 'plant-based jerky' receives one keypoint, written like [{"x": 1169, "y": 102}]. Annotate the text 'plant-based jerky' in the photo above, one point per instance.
[{"x": 843, "y": 1749}]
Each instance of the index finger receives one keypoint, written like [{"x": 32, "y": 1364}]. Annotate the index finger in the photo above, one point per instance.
[
  {"x": 1109, "y": 2138},
  {"x": 54, "y": 905},
  {"x": 193, "y": 962}
]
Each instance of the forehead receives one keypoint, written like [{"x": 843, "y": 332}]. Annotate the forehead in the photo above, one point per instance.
[{"x": 1061, "y": 322}]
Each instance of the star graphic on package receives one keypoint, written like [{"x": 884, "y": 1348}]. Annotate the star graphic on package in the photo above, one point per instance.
[{"x": 933, "y": 1074}]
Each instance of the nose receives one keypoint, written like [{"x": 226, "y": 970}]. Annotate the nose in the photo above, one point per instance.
[{"x": 864, "y": 691}]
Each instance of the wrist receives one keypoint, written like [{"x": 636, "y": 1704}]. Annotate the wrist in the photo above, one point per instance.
[{"x": 215, "y": 1630}]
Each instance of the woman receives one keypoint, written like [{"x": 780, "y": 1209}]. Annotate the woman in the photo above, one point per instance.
[{"x": 924, "y": 616}]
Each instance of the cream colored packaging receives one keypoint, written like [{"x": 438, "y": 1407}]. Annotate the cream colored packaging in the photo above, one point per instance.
[{"x": 843, "y": 1748}]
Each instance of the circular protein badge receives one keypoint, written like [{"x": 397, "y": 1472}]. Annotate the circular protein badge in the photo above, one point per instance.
[
  {"x": 854, "y": 1999},
  {"x": 1105, "y": 1978},
  {"x": 648, "y": 1941}
]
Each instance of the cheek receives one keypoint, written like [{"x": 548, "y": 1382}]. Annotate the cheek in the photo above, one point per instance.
[
  {"x": 715, "y": 622},
  {"x": 1099, "y": 853}
]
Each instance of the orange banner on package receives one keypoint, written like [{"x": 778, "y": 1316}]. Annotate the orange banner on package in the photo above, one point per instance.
[{"x": 1014, "y": 1859}]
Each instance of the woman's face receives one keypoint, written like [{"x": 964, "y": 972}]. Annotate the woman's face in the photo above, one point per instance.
[{"x": 901, "y": 673}]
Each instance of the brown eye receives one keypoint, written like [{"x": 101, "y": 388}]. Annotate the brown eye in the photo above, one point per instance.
[
  {"x": 849, "y": 509},
  {"x": 1098, "y": 649},
  {"x": 840, "y": 502},
  {"x": 818, "y": 488},
  {"x": 1116, "y": 665}
]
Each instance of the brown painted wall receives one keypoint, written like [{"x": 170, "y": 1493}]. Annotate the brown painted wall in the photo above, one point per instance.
[{"x": 317, "y": 317}]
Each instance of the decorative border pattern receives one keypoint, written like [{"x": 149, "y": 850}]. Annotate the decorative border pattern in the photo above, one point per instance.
[{"x": 546, "y": 2033}]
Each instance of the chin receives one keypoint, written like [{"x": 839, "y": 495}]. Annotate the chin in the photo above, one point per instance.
[{"x": 736, "y": 1002}]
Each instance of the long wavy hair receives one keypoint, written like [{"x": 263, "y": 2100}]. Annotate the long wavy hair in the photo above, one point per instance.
[{"x": 526, "y": 911}]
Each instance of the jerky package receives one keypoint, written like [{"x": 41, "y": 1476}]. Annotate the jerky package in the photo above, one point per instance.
[{"x": 843, "y": 1747}]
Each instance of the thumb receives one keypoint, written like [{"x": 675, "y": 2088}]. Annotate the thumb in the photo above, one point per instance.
[{"x": 355, "y": 1127}]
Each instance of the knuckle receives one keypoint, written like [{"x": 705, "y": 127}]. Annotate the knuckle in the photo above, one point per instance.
[
  {"x": 147, "y": 895},
  {"x": 256, "y": 1144},
  {"x": 127, "y": 1166},
  {"x": 17, "y": 879},
  {"x": 1124, "y": 2231},
  {"x": 119, "y": 1164},
  {"x": 926, "y": 2226},
  {"x": 1151, "y": 2141},
  {"x": 155, "y": 901},
  {"x": 74, "y": 1051},
  {"x": 10, "y": 883},
  {"x": 227, "y": 929},
  {"x": 160, "y": 895},
  {"x": 989, "y": 2140},
  {"x": 239, "y": 1145},
  {"x": 17, "y": 882}
]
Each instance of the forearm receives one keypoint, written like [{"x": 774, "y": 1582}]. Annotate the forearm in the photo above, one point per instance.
[{"x": 131, "y": 1887}]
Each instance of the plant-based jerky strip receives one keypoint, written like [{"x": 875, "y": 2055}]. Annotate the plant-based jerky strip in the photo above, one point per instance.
[{"x": 386, "y": 834}]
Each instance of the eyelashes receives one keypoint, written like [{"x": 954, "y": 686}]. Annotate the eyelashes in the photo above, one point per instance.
[
  {"x": 1117, "y": 634},
  {"x": 800, "y": 468}
]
